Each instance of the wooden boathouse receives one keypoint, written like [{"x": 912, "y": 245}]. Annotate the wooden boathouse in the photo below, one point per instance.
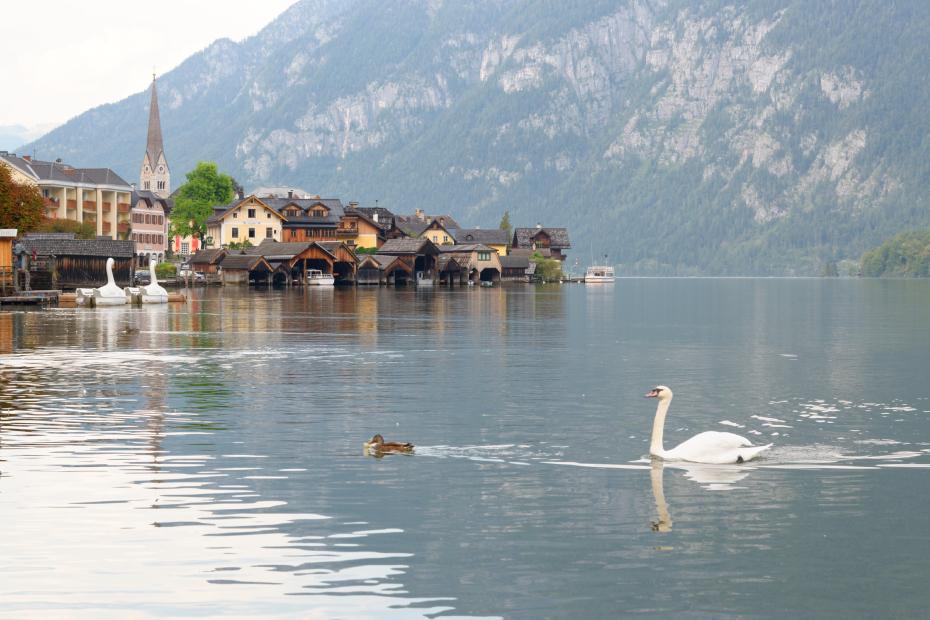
[{"x": 63, "y": 262}]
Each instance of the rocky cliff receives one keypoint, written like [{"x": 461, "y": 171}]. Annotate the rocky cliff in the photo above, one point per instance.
[{"x": 761, "y": 137}]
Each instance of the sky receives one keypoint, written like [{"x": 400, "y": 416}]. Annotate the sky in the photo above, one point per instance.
[{"x": 66, "y": 56}]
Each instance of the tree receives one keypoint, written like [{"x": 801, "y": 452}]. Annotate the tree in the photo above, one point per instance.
[
  {"x": 206, "y": 187},
  {"x": 81, "y": 230},
  {"x": 548, "y": 269},
  {"x": 505, "y": 224},
  {"x": 21, "y": 206}
]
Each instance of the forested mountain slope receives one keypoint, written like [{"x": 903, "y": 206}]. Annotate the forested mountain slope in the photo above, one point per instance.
[{"x": 676, "y": 136}]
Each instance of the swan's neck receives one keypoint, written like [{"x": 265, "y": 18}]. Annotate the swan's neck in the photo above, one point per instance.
[
  {"x": 110, "y": 280},
  {"x": 152, "y": 271},
  {"x": 658, "y": 427}
]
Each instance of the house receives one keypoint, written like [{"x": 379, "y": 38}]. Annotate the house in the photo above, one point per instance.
[
  {"x": 494, "y": 237},
  {"x": 517, "y": 266},
  {"x": 94, "y": 196},
  {"x": 553, "y": 240},
  {"x": 294, "y": 259},
  {"x": 240, "y": 268},
  {"x": 249, "y": 219},
  {"x": 149, "y": 218},
  {"x": 420, "y": 217},
  {"x": 358, "y": 229},
  {"x": 208, "y": 260},
  {"x": 434, "y": 230},
  {"x": 65, "y": 262},
  {"x": 405, "y": 260},
  {"x": 475, "y": 262}
]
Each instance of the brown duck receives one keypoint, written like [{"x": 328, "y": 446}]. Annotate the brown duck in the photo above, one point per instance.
[{"x": 377, "y": 445}]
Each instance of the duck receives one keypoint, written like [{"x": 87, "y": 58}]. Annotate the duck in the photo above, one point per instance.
[{"x": 377, "y": 445}]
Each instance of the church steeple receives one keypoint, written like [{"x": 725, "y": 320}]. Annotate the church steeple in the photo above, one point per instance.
[{"x": 154, "y": 174}]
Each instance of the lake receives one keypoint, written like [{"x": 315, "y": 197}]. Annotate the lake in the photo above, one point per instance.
[{"x": 205, "y": 460}]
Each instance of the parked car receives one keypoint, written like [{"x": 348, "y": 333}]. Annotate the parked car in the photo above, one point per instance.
[
  {"x": 184, "y": 271},
  {"x": 142, "y": 277},
  {"x": 199, "y": 277}
]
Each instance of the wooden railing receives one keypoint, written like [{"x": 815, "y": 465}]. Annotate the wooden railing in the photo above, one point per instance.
[{"x": 123, "y": 207}]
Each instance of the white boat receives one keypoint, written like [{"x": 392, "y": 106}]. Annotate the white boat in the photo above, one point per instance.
[
  {"x": 154, "y": 293},
  {"x": 315, "y": 277},
  {"x": 599, "y": 274},
  {"x": 109, "y": 294}
]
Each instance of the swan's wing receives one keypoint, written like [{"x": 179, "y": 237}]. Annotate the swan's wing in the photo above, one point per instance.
[{"x": 710, "y": 447}]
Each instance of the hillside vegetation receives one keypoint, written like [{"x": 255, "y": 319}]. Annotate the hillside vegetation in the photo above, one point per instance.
[
  {"x": 679, "y": 137},
  {"x": 905, "y": 255}
]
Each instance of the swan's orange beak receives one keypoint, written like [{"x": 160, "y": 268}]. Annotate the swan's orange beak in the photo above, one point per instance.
[{"x": 652, "y": 394}]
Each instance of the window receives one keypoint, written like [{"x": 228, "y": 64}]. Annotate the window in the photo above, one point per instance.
[
  {"x": 185, "y": 248},
  {"x": 268, "y": 214},
  {"x": 269, "y": 233},
  {"x": 435, "y": 238},
  {"x": 251, "y": 233},
  {"x": 235, "y": 233},
  {"x": 161, "y": 184},
  {"x": 148, "y": 185},
  {"x": 251, "y": 213},
  {"x": 484, "y": 256},
  {"x": 235, "y": 214},
  {"x": 319, "y": 213},
  {"x": 445, "y": 238}
]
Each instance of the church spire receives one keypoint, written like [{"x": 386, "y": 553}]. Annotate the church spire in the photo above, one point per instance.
[
  {"x": 154, "y": 146},
  {"x": 154, "y": 175}
]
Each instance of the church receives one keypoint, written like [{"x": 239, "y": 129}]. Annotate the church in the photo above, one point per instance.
[{"x": 152, "y": 202}]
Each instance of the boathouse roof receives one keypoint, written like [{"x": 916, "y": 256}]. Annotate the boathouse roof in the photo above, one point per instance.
[{"x": 64, "y": 244}]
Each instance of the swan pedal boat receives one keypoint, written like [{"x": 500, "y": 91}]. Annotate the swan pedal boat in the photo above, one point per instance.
[
  {"x": 711, "y": 447},
  {"x": 154, "y": 293},
  {"x": 109, "y": 294}
]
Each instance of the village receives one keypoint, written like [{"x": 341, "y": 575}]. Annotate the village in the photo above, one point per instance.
[{"x": 282, "y": 236}]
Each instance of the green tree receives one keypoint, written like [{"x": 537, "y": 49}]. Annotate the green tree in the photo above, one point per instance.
[
  {"x": 21, "y": 206},
  {"x": 81, "y": 230},
  {"x": 505, "y": 224},
  {"x": 548, "y": 269},
  {"x": 206, "y": 187}
]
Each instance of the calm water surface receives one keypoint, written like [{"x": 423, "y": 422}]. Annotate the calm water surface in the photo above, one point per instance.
[{"x": 205, "y": 460}]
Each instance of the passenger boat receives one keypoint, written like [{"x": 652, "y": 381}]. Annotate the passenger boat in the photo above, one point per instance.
[
  {"x": 598, "y": 274},
  {"x": 315, "y": 277}
]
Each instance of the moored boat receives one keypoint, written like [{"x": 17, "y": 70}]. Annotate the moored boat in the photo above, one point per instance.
[
  {"x": 315, "y": 277},
  {"x": 599, "y": 274}
]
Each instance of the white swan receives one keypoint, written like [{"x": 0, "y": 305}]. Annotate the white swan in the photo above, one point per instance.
[
  {"x": 707, "y": 447},
  {"x": 109, "y": 294},
  {"x": 154, "y": 293}
]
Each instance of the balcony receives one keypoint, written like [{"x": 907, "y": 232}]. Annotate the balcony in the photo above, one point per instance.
[
  {"x": 106, "y": 228},
  {"x": 90, "y": 205},
  {"x": 72, "y": 205},
  {"x": 106, "y": 207},
  {"x": 122, "y": 228},
  {"x": 123, "y": 207}
]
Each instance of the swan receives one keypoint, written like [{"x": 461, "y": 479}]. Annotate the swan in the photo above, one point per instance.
[
  {"x": 109, "y": 294},
  {"x": 708, "y": 447},
  {"x": 154, "y": 293}
]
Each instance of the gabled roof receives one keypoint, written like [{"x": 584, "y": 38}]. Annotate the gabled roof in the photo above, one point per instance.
[
  {"x": 379, "y": 215},
  {"x": 446, "y": 220},
  {"x": 208, "y": 256},
  {"x": 278, "y": 250},
  {"x": 416, "y": 245},
  {"x": 151, "y": 199},
  {"x": 488, "y": 236},
  {"x": 519, "y": 261},
  {"x": 558, "y": 237},
  {"x": 56, "y": 171},
  {"x": 244, "y": 261},
  {"x": 218, "y": 217},
  {"x": 47, "y": 245},
  {"x": 466, "y": 248}
]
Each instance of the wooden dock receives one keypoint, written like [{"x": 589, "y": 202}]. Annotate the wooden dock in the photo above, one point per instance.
[{"x": 31, "y": 298}]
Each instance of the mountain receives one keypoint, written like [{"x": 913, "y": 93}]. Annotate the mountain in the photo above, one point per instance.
[
  {"x": 676, "y": 136},
  {"x": 12, "y": 136}
]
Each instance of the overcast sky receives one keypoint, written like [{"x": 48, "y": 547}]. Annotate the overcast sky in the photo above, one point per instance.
[{"x": 62, "y": 57}]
